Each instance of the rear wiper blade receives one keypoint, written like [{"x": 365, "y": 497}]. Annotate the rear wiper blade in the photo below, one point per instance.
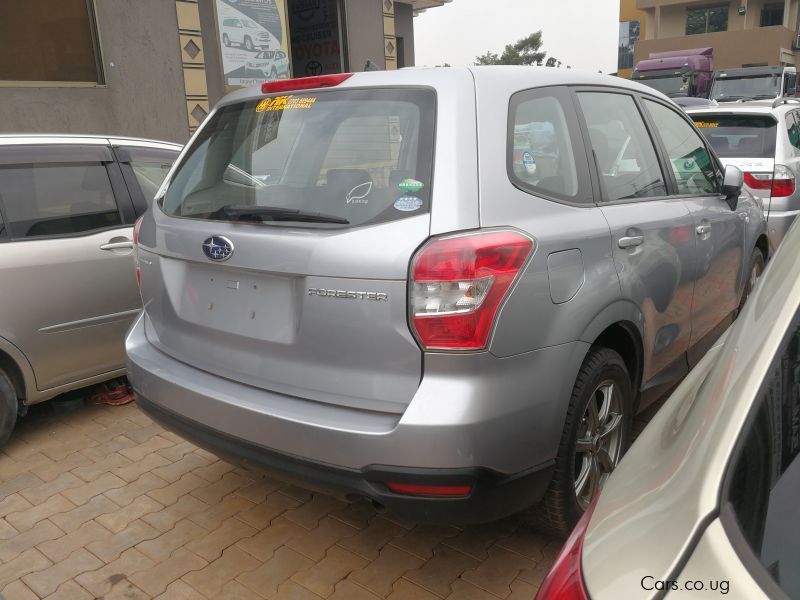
[{"x": 230, "y": 212}]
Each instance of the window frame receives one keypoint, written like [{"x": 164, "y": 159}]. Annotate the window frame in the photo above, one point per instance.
[
  {"x": 593, "y": 167},
  {"x": 766, "y": 9},
  {"x": 124, "y": 159},
  {"x": 102, "y": 75},
  {"x": 727, "y": 516},
  {"x": 671, "y": 174},
  {"x": 59, "y": 154},
  {"x": 586, "y": 195},
  {"x": 706, "y": 9}
]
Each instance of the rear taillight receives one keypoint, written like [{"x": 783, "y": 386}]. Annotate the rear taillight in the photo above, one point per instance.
[
  {"x": 565, "y": 579},
  {"x": 780, "y": 182},
  {"x": 459, "y": 282},
  {"x": 136, "y": 227}
]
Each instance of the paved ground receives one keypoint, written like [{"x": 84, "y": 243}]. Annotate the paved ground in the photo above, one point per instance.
[{"x": 105, "y": 504}]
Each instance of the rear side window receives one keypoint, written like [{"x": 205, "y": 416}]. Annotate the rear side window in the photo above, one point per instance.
[
  {"x": 541, "y": 145},
  {"x": 765, "y": 478},
  {"x": 695, "y": 171},
  {"x": 322, "y": 159},
  {"x": 623, "y": 150},
  {"x": 743, "y": 136},
  {"x": 57, "y": 199},
  {"x": 792, "y": 129}
]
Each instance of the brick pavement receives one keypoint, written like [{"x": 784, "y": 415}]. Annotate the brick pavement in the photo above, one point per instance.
[{"x": 103, "y": 503}]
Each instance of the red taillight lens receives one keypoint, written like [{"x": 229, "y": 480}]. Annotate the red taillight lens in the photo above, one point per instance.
[
  {"x": 303, "y": 83},
  {"x": 136, "y": 227},
  {"x": 781, "y": 182},
  {"x": 565, "y": 579},
  {"x": 443, "y": 491},
  {"x": 459, "y": 282}
]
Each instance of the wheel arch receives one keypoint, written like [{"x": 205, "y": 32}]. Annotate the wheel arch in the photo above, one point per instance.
[
  {"x": 762, "y": 243},
  {"x": 11, "y": 368},
  {"x": 619, "y": 328}
]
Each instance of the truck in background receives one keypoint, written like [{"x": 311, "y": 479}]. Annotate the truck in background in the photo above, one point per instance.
[
  {"x": 754, "y": 83},
  {"x": 678, "y": 73}
]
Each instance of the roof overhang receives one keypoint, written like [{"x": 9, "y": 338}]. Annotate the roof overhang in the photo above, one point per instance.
[{"x": 422, "y": 5}]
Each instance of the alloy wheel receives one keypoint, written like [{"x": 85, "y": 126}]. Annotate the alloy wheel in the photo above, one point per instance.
[{"x": 598, "y": 447}]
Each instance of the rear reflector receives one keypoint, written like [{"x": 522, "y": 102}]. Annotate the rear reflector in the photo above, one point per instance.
[
  {"x": 565, "y": 580},
  {"x": 303, "y": 83},
  {"x": 136, "y": 226},
  {"x": 443, "y": 491},
  {"x": 459, "y": 282}
]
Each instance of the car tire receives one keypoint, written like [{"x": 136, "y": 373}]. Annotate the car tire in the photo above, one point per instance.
[
  {"x": 248, "y": 44},
  {"x": 603, "y": 382},
  {"x": 754, "y": 271},
  {"x": 8, "y": 408},
  {"x": 226, "y": 40}
]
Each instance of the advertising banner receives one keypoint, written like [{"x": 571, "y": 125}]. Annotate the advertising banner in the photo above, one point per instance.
[
  {"x": 316, "y": 47},
  {"x": 253, "y": 41}
]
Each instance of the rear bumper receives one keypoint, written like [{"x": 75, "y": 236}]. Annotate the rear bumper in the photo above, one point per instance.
[
  {"x": 493, "y": 495},
  {"x": 492, "y": 423}
]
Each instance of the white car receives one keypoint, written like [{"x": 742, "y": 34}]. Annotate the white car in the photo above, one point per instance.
[
  {"x": 245, "y": 33},
  {"x": 268, "y": 63}
]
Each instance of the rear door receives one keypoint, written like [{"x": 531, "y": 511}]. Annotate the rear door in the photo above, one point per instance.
[
  {"x": 311, "y": 303},
  {"x": 69, "y": 291},
  {"x": 144, "y": 168},
  {"x": 719, "y": 231},
  {"x": 653, "y": 244}
]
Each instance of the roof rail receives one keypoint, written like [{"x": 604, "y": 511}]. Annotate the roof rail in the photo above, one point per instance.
[{"x": 784, "y": 100}]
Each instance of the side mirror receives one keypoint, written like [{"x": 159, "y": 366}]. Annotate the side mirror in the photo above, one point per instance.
[{"x": 732, "y": 184}]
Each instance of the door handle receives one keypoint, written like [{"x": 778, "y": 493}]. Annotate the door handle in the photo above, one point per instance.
[
  {"x": 630, "y": 241},
  {"x": 128, "y": 245},
  {"x": 703, "y": 229}
]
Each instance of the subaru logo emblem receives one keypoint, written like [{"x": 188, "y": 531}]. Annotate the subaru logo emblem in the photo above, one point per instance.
[{"x": 218, "y": 248}]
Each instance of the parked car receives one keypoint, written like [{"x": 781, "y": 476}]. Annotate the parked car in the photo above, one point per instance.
[
  {"x": 268, "y": 63},
  {"x": 245, "y": 33},
  {"x": 706, "y": 499},
  {"x": 455, "y": 346},
  {"x": 69, "y": 294},
  {"x": 763, "y": 140}
]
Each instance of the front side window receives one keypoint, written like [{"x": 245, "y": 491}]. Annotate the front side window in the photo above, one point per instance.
[
  {"x": 707, "y": 19},
  {"x": 321, "y": 159},
  {"x": 57, "y": 199},
  {"x": 765, "y": 478},
  {"x": 742, "y": 136},
  {"x": 42, "y": 40},
  {"x": 694, "y": 169},
  {"x": 541, "y": 145},
  {"x": 625, "y": 156},
  {"x": 628, "y": 36}
]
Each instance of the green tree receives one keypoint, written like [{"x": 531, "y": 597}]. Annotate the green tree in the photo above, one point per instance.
[{"x": 524, "y": 52}]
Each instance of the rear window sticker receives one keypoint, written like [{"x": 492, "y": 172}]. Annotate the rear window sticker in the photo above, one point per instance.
[
  {"x": 529, "y": 162},
  {"x": 410, "y": 185},
  {"x": 358, "y": 195},
  {"x": 706, "y": 124},
  {"x": 408, "y": 203},
  {"x": 285, "y": 103}
]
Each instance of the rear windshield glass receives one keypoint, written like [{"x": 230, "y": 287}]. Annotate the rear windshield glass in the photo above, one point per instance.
[
  {"x": 322, "y": 159},
  {"x": 745, "y": 136}
]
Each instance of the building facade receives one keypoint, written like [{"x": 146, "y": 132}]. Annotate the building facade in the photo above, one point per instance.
[
  {"x": 632, "y": 27},
  {"x": 154, "y": 68},
  {"x": 741, "y": 32}
]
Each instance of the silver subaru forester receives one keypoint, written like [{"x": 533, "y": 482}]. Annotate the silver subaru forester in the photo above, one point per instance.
[{"x": 445, "y": 290}]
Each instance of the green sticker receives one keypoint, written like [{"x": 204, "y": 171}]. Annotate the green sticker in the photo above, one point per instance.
[{"x": 410, "y": 185}]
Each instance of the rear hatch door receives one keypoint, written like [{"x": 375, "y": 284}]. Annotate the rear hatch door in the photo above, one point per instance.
[{"x": 280, "y": 251}]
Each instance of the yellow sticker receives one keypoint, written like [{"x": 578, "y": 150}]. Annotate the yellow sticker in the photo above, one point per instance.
[
  {"x": 706, "y": 124},
  {"x": 285, "y": 103}
]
